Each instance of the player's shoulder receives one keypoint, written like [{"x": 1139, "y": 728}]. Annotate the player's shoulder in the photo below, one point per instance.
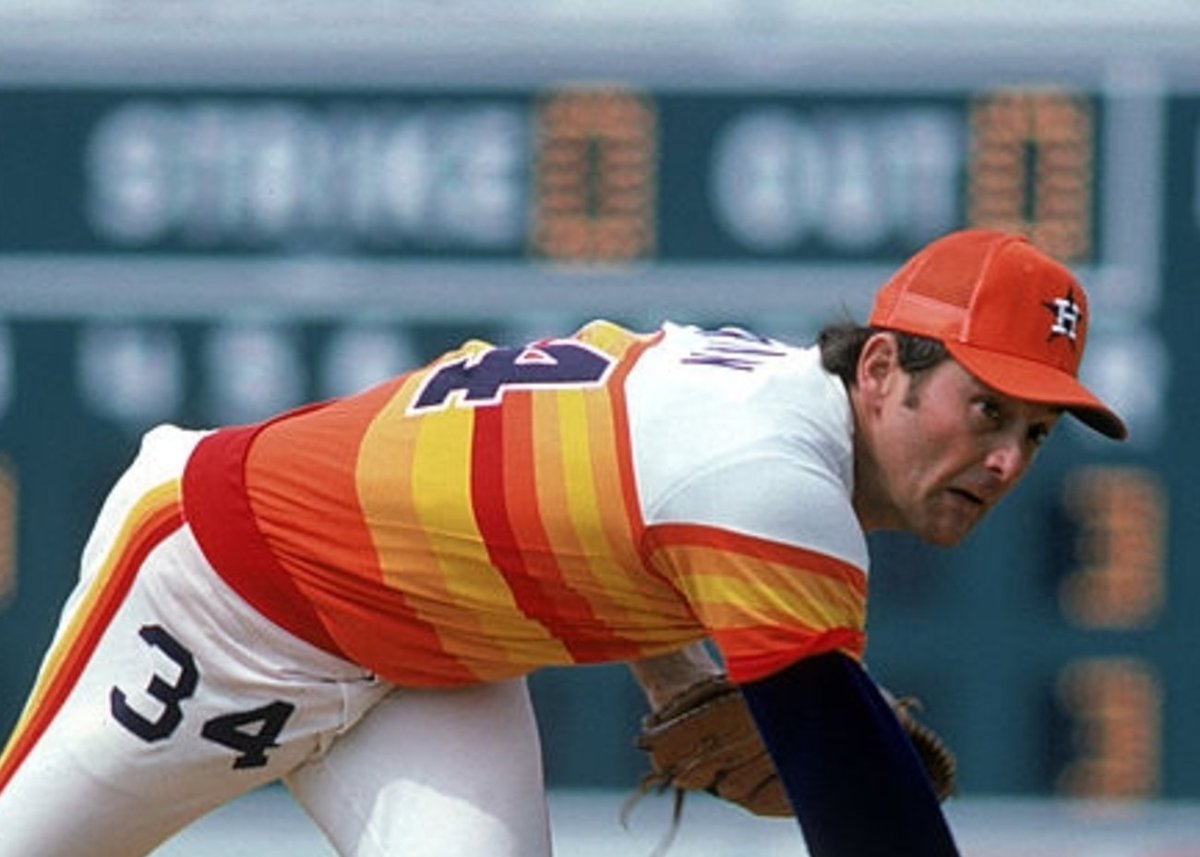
[
  {"x": 611, "y": 338},
  {"x": 759, "y": 421},
  {"x": 730, "y": 340},
  {"x": 735, "y": 370}
]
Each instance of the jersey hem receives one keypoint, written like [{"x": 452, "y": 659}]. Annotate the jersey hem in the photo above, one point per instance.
[{"x": 218, "y": 511}]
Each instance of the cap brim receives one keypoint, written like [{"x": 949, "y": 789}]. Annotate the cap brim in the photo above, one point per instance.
[{"x": 1033, "y": 381}]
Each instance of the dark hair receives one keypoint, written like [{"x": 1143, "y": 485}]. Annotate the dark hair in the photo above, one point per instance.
[{"x": 841, "y": 345}]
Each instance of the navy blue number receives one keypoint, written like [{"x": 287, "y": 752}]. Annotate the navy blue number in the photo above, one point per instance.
[
  {"x": 483, "y": 380},
  {"x": 167, "y": 693},
  {"x": 228, "y": 730}
]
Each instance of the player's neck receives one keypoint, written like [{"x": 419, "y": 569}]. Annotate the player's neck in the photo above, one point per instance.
[{"x": 869, "y": 497}]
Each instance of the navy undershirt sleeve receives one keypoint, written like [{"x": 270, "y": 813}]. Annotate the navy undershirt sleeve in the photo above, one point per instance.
[{"x": 851, "y": 773}]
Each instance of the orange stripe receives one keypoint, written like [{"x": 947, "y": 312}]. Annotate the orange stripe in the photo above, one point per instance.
[
  {"x": 754, "y": 653},
  {"x": 407, "y": 560},
  {"x": 550, "y": 483},
  {"x": 552, "y": 588},
  {"x": 728, "y": 604},
  {"x": 520, "y": 482},
  {"x": 615, "y": 516},
  {"x": 526, "y": 516},
  {"x": 621, "y": 522},
  {"x": 217, "y": 506},
  {"x": 728, "y": 593},
  {"x": 597, "y": 570},
  {"x": 570, "y": 529},
  {"x": 623, "y": 444},
  {"x": 156, "y": 516},
  {"x": 537, "y": 591},
  {"x": 586, "y": 499},
  {"x": 623, "y": 598},
  {"x": 479, "y": 596},
  {"x": 766, "y": 604},
  {"x": 662, "y": 536},
  {"x": 622, "y": 441}
]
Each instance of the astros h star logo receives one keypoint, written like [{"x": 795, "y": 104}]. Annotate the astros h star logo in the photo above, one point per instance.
[{"x": 1067, "y": 315}]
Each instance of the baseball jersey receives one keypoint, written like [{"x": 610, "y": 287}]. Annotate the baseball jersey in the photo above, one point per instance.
[{"x": 604, "y": 496}]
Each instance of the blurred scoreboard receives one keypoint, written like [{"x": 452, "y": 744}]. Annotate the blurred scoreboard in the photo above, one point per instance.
[
  {"x": 580, "y": 174},
  {"x": 181, "y": 250}
]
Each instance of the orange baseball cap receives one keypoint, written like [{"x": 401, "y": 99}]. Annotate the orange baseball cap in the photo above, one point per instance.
[{"x": 1012, "y": 316}]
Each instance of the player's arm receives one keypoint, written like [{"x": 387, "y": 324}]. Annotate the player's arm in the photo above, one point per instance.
[
  {"x": 664, "y": 677},
  {"x": 851, "y": 774}
]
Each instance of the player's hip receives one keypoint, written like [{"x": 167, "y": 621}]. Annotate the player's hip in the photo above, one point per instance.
[{"x": 142, "y": 556}]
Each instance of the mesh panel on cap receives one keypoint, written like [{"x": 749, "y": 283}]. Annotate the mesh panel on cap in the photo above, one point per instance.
[{"x": 948, "y": 277}]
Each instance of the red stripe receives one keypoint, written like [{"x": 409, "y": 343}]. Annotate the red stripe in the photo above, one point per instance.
[
  {"x": 326, "y": 584},
  {"x": 223, "y": 523},
  {"x": 624, "y": 447},
  {"x": 624, "y": 441},
  {"x": 115, "y": 587},
  {"x": 537, "y": 585},
  {"x": 491, "y": 515},
  {"x": 695, "y": 535}
]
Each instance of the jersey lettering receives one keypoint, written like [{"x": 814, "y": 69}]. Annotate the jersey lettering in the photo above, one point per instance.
[
  {"x": 483, "y": 380},
  {"x": 733, "y": 348}
]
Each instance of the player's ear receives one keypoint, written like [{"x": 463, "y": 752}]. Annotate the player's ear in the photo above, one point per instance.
[{"x": 878, "y": 368}]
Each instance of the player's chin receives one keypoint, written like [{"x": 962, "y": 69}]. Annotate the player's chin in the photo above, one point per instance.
[
  {"x": 945, "y": 540},
  {"x": 948, "y": 529},
  {"x": 939, "y": 537}
]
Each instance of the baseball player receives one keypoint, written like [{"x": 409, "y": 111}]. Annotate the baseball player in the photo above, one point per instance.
[{"x": 347, "y": 597}]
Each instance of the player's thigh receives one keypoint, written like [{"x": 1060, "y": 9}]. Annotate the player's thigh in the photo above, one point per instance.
[
  {"x": 454, "y": 772},
  {"x": 152, "y": 712}
]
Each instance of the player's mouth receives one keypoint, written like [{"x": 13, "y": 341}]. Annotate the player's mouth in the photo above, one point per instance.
[{"x": 968, "y": 497}]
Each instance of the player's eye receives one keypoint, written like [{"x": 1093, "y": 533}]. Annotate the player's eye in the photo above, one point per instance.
[
  {"x": 990, "y": 410},
  {"x": 1038, "y": 434}
]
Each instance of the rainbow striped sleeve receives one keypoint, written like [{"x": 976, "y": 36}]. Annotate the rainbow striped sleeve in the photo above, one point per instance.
[{"x": 766, "y": 605}]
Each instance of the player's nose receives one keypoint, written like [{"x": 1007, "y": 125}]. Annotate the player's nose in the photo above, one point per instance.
[{"x": 1007, "y": 459}]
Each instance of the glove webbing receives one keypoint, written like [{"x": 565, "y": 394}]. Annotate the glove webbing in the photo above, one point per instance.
[{"x": 659, "y": 784}]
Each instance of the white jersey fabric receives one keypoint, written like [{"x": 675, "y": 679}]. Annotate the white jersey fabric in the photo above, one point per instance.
[{"x": 743, "y": 433}]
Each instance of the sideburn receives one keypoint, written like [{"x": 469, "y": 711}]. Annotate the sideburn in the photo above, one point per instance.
[{"x": 912, "y": 395}]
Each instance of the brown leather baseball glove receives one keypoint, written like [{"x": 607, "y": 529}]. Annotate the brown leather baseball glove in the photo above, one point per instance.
[
  {"x": 704, "y": 739},
  {"x": 935, "y": 756}
]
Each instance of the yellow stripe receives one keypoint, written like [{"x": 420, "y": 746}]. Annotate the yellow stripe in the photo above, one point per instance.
[
  {"x": 742, "y": 591},
  {"x": 823, "y": 604},
  {"x": 611, "y": 584},
  {"x": 565, "y": 499},
  {"x": 608, "y": 337},
  {"x": 441, "y": 480},
  {"x": 151, "y": 503},
  {"x": 643, "y": 593},
  {"x": 405, "y": 554}
]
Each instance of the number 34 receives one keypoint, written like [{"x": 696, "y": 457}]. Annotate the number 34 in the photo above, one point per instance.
[{"x": 235, "y": 731}]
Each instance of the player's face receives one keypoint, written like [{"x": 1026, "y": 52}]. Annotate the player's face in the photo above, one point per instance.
[{"x": 947, "y": 449}]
